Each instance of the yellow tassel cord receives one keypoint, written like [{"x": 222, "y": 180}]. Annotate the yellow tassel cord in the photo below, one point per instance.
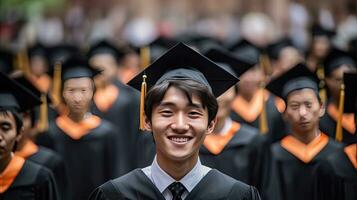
[
  {"x": 142, "y": 103},
  {"x": 341, "y": 105},
  {"x": 322, "y": 90},
  {"x": 43, "y": 121},
  {"x": 265, "y": 65},
  {"x": 56, "y": 88},
  {"x": 144, "y": 57}
]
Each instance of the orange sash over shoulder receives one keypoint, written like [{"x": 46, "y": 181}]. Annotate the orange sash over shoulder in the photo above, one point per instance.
[
  {"x": 304, "y": 152},
  {"x": 215, "y": 143},
  {"x": 250, "y": 111},
  {"x": 350, "y": 150},
  {"x": 348, "y": 121},
  {"x": 28, "y": 149},
  {"x": 11, "y": 171},
  {"x": 77, "y": 130},
  {"x": 105, "y": 98}
]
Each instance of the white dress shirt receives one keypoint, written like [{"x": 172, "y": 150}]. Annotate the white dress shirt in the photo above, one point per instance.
[{"x": 162, "y": 180}]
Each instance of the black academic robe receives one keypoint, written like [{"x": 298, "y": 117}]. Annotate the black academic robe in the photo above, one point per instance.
[
  {"x": 276, "y": 124},
  {"x": 328, "y": 126},
  {"x": 90, "y": 161},
  {"x": 336, "y": 178},
  {"x": 136, "y": 185},
  {"x": 145, "y": 149},
  {"x": 242, "y": 157},
  {"x": 33, "y": 182},
  {"x": 54, "y": 162},
  {"x": 289, "y": 178},
  {"x": 124, "y": 113}
]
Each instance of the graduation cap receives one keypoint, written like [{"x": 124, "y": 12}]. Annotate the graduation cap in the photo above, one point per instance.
[
  {"x": 15, "y": 96},
  {"x": 38, "y": 50},
  {"x": 247, "y": 50},
  {"x": 196, "y": 40},
  {"x": 275, "y": 48},
  {"x": 335, "y": 59},
  {"x": 183, "y": 63},
  {"x": 227, "y": 60},
  {"x": 317, "y": 30},
  {"x": 77, "y": 66},
  {"x": 297, "y": 78},
  {"x": 105, "y": 47},
  {"x": 6, "y": 61},
  {"x": 160, "y": 45},
  {"x": 60, "y": 53}
]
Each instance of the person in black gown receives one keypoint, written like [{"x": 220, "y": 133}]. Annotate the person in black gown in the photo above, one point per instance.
[
  {"x": 180, "y": 109},
  {"x": 294, "y": 159},
  {"x": 19, "y": 178}
]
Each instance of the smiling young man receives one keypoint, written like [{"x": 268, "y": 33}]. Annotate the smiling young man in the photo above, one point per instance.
[
  {"x": 295, "y": 158},
  {"x": 180, "y": 110},
  {"x": 19, "y": 178}
]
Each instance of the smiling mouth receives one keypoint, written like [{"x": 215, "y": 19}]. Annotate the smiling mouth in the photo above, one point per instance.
[{"x": 180, "y": 140}]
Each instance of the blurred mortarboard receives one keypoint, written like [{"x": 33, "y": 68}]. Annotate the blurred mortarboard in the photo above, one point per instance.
[
  {"x": 77, "y": 66},
  {"x": 227, "y": 60},
  {"x": 60, "y": 53},
  {"x": 350, "y": 81},
  {"x": 160, "y": 45},
  {"x": 317, "y": 30},
  {"x": 6, "y": 61},
  {"x": 297, "y": 78},
  {"x": 276, "y": 47},
  {"x": 183, "y": 63},
  {"x": 335, "y": 59},
  {"x": 38, "y": 49},
  {"x": 246, "y": 50},
  {"x": 195, "y": 40},
  {"x": 106, "y": 47},
  {"x": 15, "y": 96}
]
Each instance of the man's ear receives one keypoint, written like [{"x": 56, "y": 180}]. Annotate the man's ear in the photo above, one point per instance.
[
  {"x": 147, "y": 124},
  {"x": 211, "y": 126},
  {"x": 20, "y": 134},
  {"x": 322, "y": 109}
]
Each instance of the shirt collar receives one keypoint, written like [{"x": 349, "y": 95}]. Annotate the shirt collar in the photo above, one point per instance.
[{"x": 162, "y": 180}]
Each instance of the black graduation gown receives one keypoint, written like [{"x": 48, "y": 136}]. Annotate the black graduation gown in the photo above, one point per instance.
[
  {"x": 289, "y": 178},
  {"x": 336, "y": 178},
  {"x": 90, "y": 161},
  {"x": 54, "y": 162},
  {"x": 124, "y": 113},
  {"x": 145, "y": 149},
  {"x": 136, "y": 185},
  {"x": 328, "y": 126},
  {"x": 275, "y": 121},
  {"x": 241, "y": 158},
  {"x": 33, "y": 182}
]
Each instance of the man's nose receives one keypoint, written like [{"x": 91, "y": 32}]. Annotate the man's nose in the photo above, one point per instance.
[{"x": 180, "y": 124}]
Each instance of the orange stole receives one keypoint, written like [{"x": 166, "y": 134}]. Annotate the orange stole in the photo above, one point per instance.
[
  {"x": 304, "y": 152},
  {"x": 11, "y": 171},
  {"x": 77, "y": 130},
  {"x": 104, "y": 98},
  {"x": 28, "y": 149},
  {"x": 280, "y": 104},
  {"x": 348, "y": 122},
  {"x": 215, "y": 143},
  {"x": 250, "y": 111},
  {"x": 42, "y": 83},
  {"x": 350, "y": 150}
]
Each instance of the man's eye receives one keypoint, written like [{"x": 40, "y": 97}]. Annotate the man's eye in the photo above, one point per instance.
[
  {"x": 5, "y": 127},
  {"x": 166, "y": 112},
  {"x": 194, "y": 114}
]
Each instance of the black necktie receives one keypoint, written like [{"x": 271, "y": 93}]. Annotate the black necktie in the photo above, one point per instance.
[{"x": 176, "y": 189}]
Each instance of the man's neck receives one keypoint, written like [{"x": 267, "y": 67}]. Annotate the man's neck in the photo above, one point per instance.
[
  {"x": 306, "y": 137},
  {"x": 77, "y": 117},
  {"x": 4, "y": 162},
  {"x": 177, "y": 169}
]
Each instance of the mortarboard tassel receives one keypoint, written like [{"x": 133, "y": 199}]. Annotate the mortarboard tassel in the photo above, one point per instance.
[
  {"x": 56, "y": 89},
  {"x": 322, "y": 90},
  {"x": 341, "y": 105},
  {"x": 26, "y": 63},
  {"x": 144, "y": 57},
  {"x": 43, "y": 121},
  {"x": 142, "y": 102},
  {"x": 265, "y": 64}
]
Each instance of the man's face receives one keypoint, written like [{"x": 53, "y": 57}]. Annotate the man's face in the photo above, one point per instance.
[
  {"x": 179, "y": 128},
  {"x": 303, "y": 110},
  {"x": 78, "y": 93},
  {"x": 335, "y": 80},
  {"x": 250, "y": 80},
  {"x": 8, "y": 135},
  {"x": 107, "y": 64},
  {"x": 224, "y": 103}
]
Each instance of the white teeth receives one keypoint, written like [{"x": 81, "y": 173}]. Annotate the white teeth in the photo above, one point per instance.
[{"x": 179, "y": 139}]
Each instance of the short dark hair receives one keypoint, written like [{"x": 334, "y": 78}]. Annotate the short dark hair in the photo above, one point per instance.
[
  {"x": 189, "y": 87},
  {"x": 17, "y": 116}
]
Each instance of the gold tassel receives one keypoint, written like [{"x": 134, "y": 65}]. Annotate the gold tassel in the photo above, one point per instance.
[
  {"x": 265, "y": 64},
  {"x": 144, "y": 57},
  {"x": 320, "y": 72},
  {"x": 263, "y": 122},
  {"x": 142, "y": 103},
  {"x": 341, "y": 105},
  {"x": 26, "y": 63},
  {"x": 43, "y": 121},
  {"x": 56, "y": 88}
]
